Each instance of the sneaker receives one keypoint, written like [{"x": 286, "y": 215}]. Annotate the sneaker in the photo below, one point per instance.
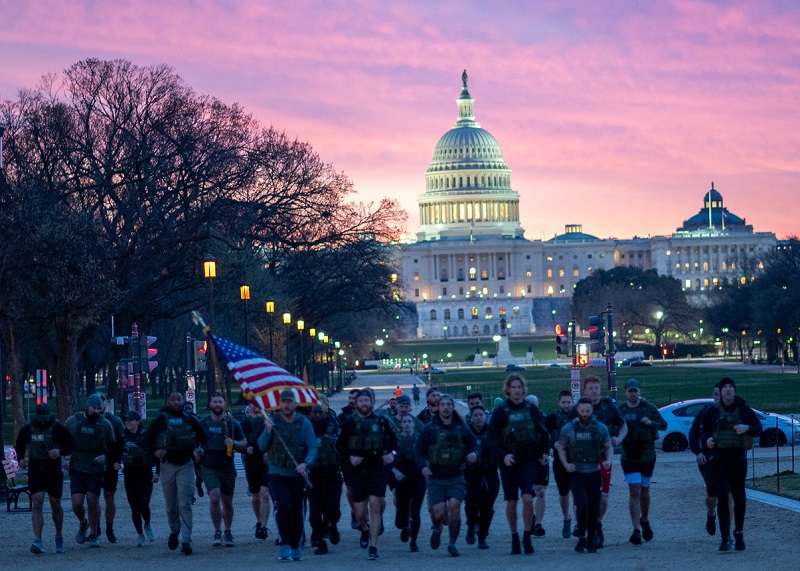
[
  {"x": 413, "y": 547},
  {"x": 322, "y": 548},
  {"x": 725, "y": 544},
  {"x": 436, "y": 536},
  {"x": 711, "y": 525},
  {"x": 565, "y": 531},
  {"x": 297, "y": 554},
  {"x": 229, "y": 539},
  {"x": 516, "y": 549},
  {"x": 739, "y": 537},
  {"x": 598, "y": 534},
  {"x": 217, "y": 541},
  {"x": 482, "y": 543},
  {"x": 353, "y": 521},
  {"x": 636, "y": 538},
  {"x": 37, "y": 547},
  {"x": 647, "y": 531},
  {"x": 591, "y": 548},
  {"x": 93, "y": 542},
  {"x": 333, "y": 535},
  {"x": 363, "y": 541},
  {"x": 581, "y": 547},
  {"x": 453, "y": 551},
  {"x": 80, "y": 537},
  {"x": 285, "y": 553},
  {"x": 172, "y": 541},
  {"x": 186, "y": 548},
  {"x": 470, "y": 535},
  {"x": 141, "y": 541},
  {"x": 575, "y": 532},
  {"x": 59, "y": 544},
  {"x": 527, "y": 546},
  {"x": 110, "y": 535},
  {"x": 372, "y": 554},
  {"x": 148, "y": 533},
  {"x": 538, "y": 530},
  {"x": 595, "y": 543},
  {"x": 405, "y": 533}
]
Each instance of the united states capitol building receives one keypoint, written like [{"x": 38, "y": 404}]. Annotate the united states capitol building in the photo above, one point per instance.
[{"x": 471, "y": 269}]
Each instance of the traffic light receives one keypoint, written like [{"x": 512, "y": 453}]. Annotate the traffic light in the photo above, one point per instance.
[
  {"x": 664, "y": 351},
  {"x": 200, "y": 356},
  {"x": 562, "y": 340},
  {"x": 597, "y": 334},
  {"x": 151, "y": 353}
]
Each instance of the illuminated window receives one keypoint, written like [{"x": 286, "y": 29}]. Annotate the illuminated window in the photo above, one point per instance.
[
  {"x": 688, "y": 284},
  {"x": 705, "y": 266},
  {"x": 576, "y": 272},
  {"x": 530, "y": 273},
  {"x": 416, "y": 276},
  {"x": 502, "y": 311},
  {"x": 474, "y": 313},
  {"x": 549, "y": 290},
  {"x": 549, "y": 273},
  {"x": 484, "y": 274},
  {"x": 561, "y": 273},
  {"x": 472, "y": 273},
  {"x": 488, "y": 313}
]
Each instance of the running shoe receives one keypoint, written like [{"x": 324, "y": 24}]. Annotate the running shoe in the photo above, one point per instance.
[
  {"x": 217, "y": 541},
  {"x": 148, "y": 533},
  {"x": 372, "y": 554},
  {"x": 80, "y": 537},
  {"x": 37, "y": 547},
  {"x": 285, "y": 553},
  {"x": 725, "y": 544},
  {"x": 711, "y": 525},
  {"x": 647, "y": 531},
  {"x": 516, "y": 549},
  {"x": 453, "y": 551},
  {"x": 565, "y": 531},
  {"x": 93, "y": 542},
  {"x": 527, "y": 545},
  {"x": 333, "y": 534},
  {"x": 436, "y": 536},
  {"x": 636, "y": 537},
  {"x": 172, "y": 541},
  {"x": 470, "y": 535},
  {"x": 581, "y": 546},
  {"x": 59, "y": 544},
  {"x": 297, "y": 554},
  {"x": 110, "y": 535},
  {"x": 412, "y": 545},
  {"x": 141, "y": 541},
  {"x": 229, "y": 539},
  {"x": 322, "y": 548},
  {"x": 739, "y": 537},
  {"x": 405, "y": 533},
  {"x": 186, "y": 548},
  {"x": 363, "y": 541},
  {"x": 482, "y": 543},
  {"x": 538, "y": 530}
]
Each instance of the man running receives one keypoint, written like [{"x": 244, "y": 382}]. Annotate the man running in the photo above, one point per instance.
[
  {"x": 415, "y": 392},
  {"x": 728, "y": 428},
  {"x": 584, "y": 448},
  {"x": 554, "y": 422},
  {"x": 177, "y": 438},
  {"x": 403, "y": 409},
  {"x": 518, "y": 434},
  {"x": 111, "y": 477},
  {"x": 702, "y": 453},
  {"x": 367, "y": 443},
  {"x": 326, "y": 492},
  {"x": 225, "y": 436},
  {"x": 607, "y": 413},
  {"x": 289, "y": 441},
  {"x": 432, "y": 399},
  {"x": 94, "y": 440},
  {"x": 639, "y": 457},
  {"x": 444, "y": 445},
  {"x": 347, "y": 411},
  {"x": 410, "y": 484},
  {"x": 483, "y": 482},
  {"x": 255, "y": 470},
  {"x": 46, "y": 442}
]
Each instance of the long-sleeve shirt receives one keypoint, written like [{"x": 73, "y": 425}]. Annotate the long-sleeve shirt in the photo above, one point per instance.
[
  {"x": 709, "y": 419},
  {"x": 62, "y": 440},
  {"x": 307, "y": 438},
  {"x": 499, "y": 423}
]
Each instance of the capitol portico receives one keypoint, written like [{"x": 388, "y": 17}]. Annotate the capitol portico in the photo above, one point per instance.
[{"x": 471, "y": 267}]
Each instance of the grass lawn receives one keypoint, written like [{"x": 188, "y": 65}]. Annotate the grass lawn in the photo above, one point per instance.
[{"x": 789, "y": 485}]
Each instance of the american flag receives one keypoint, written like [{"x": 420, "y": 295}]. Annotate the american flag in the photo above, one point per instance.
[{"x": 262, "y": 380}]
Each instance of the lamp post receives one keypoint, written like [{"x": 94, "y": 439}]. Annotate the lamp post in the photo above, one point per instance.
[
  {"x": 313, "y": 334},
  {"x": 244, "y": 295},
  {"x": 301, "y": 325},
  {"x": 287, "y": 320},
  {"x": 270, "y": 311},
  {"x": 496, "y": 340},
  {"x": 210, "y": 274}
]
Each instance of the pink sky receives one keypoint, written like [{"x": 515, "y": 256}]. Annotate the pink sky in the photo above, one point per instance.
[{"x": 615, "y": 114}]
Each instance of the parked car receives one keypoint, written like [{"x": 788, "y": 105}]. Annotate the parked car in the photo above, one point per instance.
[
  {"x": 514, "y": 367},
  {"x": 555, "y": 366},
  {"x": 634, "y": 362},
  {"x": 435, "y": 371},
  {"x": 680, "y": 415},
  {"x": 640, "y": 363}
]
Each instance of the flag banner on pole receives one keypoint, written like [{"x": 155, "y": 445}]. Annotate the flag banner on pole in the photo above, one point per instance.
[{"x": 262, "y": 380}]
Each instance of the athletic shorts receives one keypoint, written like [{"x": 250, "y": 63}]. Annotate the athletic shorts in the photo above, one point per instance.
[
  {"x": 224, "y": 481},
  {"x": 542, "y": 476},
  {"x": 111, "y": 479},
  {"x": 638, "y": 472},
  {"x": 85, "y": 482},
  {"x": 45, "y": 479},
  {"x": 605, "y": 479},
  {"x": 517, "y": 480},
  {"x": 367, "y": 482},
  {"x": 561, "y": 476},
  {"x": 442, "y": 489},
  {"x": 257, "y": 475}
]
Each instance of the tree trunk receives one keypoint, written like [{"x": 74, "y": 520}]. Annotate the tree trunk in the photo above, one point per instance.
[
  {"x": 15, "y": 374},
  {"x": 66, "y": 373}
]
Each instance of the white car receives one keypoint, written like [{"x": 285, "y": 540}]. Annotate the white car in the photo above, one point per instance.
[{"x": 680, "y": 415}]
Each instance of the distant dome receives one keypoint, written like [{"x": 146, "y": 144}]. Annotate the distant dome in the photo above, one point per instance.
[
  {"x": 714, "y": 215},
  {"x": 465, "y": 144},
  {"x": 573, "y": 233}
]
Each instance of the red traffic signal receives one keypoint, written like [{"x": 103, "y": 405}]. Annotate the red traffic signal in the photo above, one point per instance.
[{"x": 562, "y": 340}]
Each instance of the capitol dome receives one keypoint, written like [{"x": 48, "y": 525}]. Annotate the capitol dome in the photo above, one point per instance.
[{"x": 468, "y": 183}]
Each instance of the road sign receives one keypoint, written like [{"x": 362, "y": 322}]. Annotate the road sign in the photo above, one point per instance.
[
  {"x": 142, "y": 403},
  {"x": 575, "y": 384}
]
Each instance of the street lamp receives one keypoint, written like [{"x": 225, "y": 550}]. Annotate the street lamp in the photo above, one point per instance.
[
  {"x": 210, "y": 274},
  {"x": 270, "y": 311},
  {"x": 496, "y": 340},
  {"x": 244, "y": 295},
  {"x": 313, "y": 334},
  {"x": 301, "y": 325},
  {"x": 287, "y": 320}
]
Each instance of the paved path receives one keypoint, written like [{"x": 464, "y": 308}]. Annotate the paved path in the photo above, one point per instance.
[{"x": 678, "y": 518}]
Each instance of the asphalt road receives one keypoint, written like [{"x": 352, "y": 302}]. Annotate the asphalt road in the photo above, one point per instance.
[{"x": 678, "y": 518}]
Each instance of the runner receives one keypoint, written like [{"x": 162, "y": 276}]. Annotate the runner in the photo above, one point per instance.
[
  {"x": 255, "y": 469},
  {"x": 702, "y": 453},
  {"x": 432, "y": 399},
  {"x": 347, "y": 411},
  {"x": 403, "y": 409},
  {"x": 111, "y": 477},
  {"x": 410, "y": 484},
  {"x": 326, "y": 494},
  {"x": 584, "y": 447},
  {"x": 415, "y": 392},
  {"x": 483, "y": 482},
  {"x": 639, "y": 457},
  {"x": 554, "y": 422},
  {"x": 137, "y": 467},
  {"x": 46, "y": 442},
  {"x": 444, "y": 445}
]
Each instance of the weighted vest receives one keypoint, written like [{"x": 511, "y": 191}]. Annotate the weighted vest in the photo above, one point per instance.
[
  {"x": 639, "y": 435},
  {"x": 584, "y": 449},
  {"x": 178, "y": 437},
  {"x": 90, "y": 439},
  {"x": 290, "y": 432},
  {"x": 405, "y": 449},
  {"x": 217, "y": 431},
  {"x": 41, "y": 441},
  {"x": 368, "y": 436},
  {"x": 447, "y": 449},
  {"x": 520, "y": 430},
  {"x": 326, "y": 451},
  {"x": 133, "y": 455},
  {"x": 724, "y": 434}
]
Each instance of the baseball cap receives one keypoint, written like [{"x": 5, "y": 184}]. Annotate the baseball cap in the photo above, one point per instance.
[
  {"x": 632, "y": 384},
  {"x": 94, "y": 401},
  {"x": 404, "y": 399},
  {"x": 287, "y": 394}
]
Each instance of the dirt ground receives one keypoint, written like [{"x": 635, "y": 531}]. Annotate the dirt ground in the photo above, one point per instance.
[{"x": 677, "y": 517}]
